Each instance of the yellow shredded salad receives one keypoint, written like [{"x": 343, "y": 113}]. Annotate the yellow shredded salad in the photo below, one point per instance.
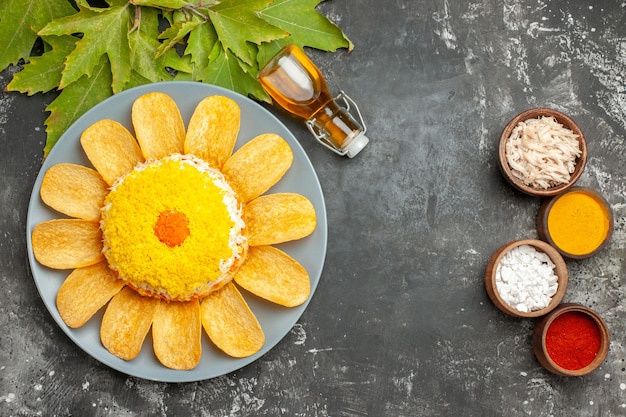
[{"x": 206, "y": 256}]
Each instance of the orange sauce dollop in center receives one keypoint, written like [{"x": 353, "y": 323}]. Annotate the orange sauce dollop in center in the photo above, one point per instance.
[{"x": 172, "y": 228}]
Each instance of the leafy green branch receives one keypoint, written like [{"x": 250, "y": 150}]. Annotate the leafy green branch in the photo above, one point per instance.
[{"x": 92, "y": 50}]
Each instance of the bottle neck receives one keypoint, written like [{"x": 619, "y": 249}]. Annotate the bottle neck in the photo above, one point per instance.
[{"x": 333, "y": 124}]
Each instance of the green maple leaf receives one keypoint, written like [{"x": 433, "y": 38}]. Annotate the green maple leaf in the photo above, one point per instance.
[
  {"x": 175, "y": 34},
  {"x": 200, "y": 43},
  {"x": 19, "y": 22},
  {"x": 143, "y": 50},
  {"x": 226, "y": 71},
  {"x": 145, "y": 59},
  {"x": 236, "y": 24},
  {"x": 43, "y": 73},
  {"x": 75, "y": 100},
  {"x": 306, "y": 26},
  {"x": 105, "y": 32}
]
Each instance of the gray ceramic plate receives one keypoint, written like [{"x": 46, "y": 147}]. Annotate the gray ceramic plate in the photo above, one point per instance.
[{"x": 275, "y": 320}]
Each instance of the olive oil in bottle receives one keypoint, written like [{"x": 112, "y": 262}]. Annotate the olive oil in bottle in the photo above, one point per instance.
[{"x": 296, "y": 84}]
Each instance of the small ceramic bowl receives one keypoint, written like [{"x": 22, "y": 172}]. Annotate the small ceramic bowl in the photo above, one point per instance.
[
  {"x": 563, "y": 119},
  {"x": 543, "y": 354},
  {"x": 560, "y": 270},
  {"x": 585, "y": 218}
]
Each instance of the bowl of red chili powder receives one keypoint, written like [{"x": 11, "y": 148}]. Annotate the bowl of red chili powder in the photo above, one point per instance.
[{"x": 572, "y": 340}]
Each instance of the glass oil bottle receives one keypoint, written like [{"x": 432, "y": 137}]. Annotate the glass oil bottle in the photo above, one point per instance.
[{"x": 296, "y": 84}]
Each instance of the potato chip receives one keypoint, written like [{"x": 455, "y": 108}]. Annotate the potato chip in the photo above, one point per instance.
[
  {"x": 85, "y": 291},
  {"x": 126, "y": 322},
  {"x": 67, "y": 243},
  {"x": 230, "y": 323},
  {"x": 112, "y": 150},
  {"x": 258, "y": 165},
  {"x": 177, "y": 334},
  {"x": 74, "y": 190},
  {"x": 158, "y": 125},
  {"x": 213, "y": 129},
  {"x": 273, "y": 275},
  {"x": 277, "y": 218}
]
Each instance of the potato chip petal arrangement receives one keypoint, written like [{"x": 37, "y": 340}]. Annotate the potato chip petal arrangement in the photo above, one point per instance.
[{"x": 219, "y": 310}]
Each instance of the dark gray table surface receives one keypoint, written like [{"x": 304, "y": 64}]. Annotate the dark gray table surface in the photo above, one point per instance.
[{"x": 400, "y": 324}]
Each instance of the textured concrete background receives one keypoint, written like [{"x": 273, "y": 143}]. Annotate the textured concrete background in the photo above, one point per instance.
[{"x": 400, "y": 324}]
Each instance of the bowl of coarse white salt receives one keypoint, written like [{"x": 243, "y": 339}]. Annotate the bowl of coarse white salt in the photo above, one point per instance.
[{"x": 526, "y": 278}]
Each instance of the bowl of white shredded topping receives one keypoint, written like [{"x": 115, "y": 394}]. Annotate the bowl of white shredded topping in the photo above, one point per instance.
[
  {"x": 526, "y": 278},
  {"x": 542, "y": 152}
]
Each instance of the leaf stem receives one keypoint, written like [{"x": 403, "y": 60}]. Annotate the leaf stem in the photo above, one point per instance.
[
  {"x": 191, "y": 9},
  {"x": 137, "y": 20}
]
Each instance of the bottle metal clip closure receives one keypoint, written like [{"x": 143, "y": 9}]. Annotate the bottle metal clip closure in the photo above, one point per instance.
[{"x": 322, "y": 135}]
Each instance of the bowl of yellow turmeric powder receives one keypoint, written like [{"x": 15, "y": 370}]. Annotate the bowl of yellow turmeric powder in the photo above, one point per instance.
[
  {"x": 542, "y": 152},
  {"x": 578, "y": 223}
]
